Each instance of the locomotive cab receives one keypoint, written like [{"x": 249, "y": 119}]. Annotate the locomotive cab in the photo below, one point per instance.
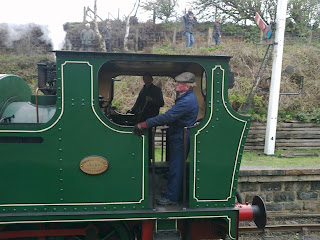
[{"x": 109, "y": 74}]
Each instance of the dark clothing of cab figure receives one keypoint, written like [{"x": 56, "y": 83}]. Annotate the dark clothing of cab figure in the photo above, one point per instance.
[
  {"x": 149, "y": 101},
  {"x": 184, "y": 113},
  {"x": 147, "y": 105}
]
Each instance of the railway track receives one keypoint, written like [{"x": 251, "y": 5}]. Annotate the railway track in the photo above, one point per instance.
[{"x": 280, "y": 228}]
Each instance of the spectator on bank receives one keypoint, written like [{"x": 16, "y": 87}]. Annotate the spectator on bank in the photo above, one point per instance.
[
  {"x": 107, "y": 33},
  {"x": 86, "y": 36},
  {"x": 189, "y": 20},
  {"x": 217, "y": 31}
]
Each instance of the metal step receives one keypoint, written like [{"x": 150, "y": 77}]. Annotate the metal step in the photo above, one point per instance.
[
  {"x": 166, "y": 229},
  {"x": 167, "y": 235}
]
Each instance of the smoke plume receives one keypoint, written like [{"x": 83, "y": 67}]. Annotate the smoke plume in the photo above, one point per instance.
[{"x": 30, "y": 35}]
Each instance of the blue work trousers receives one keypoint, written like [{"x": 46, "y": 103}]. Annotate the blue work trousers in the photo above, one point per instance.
[
  {"x": 108, "y": 45},
  {"x": 176, "y": 168},
  {"x": 189, "y": 39},
  {"x": 217, "y": 39}
]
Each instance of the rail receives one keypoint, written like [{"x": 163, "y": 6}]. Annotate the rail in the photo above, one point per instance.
[{"x": 280, "y": 228}]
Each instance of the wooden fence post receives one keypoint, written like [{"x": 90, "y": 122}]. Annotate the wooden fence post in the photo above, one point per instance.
[
  {"x": 84, "y": 14},
  {"x": 310, "y": 38},
  {"x": 210, "y": 30},
  {"x": 174, "y": 38},
  {"x": 136, "y": 45}
]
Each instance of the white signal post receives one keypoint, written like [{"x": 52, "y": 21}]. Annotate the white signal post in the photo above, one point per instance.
[{"x": 270, "y": 140}]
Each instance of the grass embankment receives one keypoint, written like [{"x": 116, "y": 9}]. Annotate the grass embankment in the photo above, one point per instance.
[
  {"x": 24, "y": 66},
  {"x": 257, "y": 158},
  {"x": 245, "y": 63},
  {"x": 260, "y": 159}
]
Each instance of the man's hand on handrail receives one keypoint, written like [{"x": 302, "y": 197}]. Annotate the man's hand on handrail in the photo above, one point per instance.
[{"x": 138, "y": 128}]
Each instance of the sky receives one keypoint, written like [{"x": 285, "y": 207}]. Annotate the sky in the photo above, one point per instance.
[{"x": 55, "y": 13}]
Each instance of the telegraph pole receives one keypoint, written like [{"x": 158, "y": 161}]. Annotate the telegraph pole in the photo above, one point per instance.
[{"x": 270, "y": 140}]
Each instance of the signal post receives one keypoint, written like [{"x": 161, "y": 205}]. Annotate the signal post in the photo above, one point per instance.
[{"x": 270, "y": 139}]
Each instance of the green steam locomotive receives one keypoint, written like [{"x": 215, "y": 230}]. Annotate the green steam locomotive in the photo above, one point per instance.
[{"x": 70, "y": 166}]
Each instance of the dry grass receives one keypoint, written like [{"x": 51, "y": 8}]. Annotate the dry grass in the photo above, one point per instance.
[{"x": 245, "y": 62}]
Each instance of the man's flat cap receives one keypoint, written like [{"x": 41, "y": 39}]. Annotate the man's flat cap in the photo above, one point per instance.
[{"x": 186, "y": 77}]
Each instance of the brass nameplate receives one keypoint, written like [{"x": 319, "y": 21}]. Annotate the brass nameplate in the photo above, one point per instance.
[{"x": 94, "y": 165}]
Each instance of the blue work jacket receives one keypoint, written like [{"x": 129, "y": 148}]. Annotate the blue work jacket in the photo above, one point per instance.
[{"x": 183, "y": 113}]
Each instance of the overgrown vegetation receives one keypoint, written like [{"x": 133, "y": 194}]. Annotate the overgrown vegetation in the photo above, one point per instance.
[
  {"x": 24, "y": 65},
  {"x": 245, "y": 62}
]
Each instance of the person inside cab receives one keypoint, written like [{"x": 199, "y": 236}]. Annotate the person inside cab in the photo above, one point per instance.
[
  {"x": 184, "y": 113},
  {"x": 149, "y": 101}
]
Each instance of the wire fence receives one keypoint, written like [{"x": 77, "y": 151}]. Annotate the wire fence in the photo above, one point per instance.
[{"x": 140, "y": 40}]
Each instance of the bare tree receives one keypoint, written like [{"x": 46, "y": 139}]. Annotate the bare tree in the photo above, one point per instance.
[
  {"x": 101, "y": 43},
  {"x": 88, "y": 13},
  {"x": 236, "y": 10},
  {"x": 126, "y": 36},
  {"x": 303, "y": 15},
  {"x": 161, "y": 9}
]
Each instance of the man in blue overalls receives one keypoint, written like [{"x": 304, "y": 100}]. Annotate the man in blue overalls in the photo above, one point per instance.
[{"x": 183, "y": 113}]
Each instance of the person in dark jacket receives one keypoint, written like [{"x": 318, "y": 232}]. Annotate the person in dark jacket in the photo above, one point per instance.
[
  {"x": 87, "y": 36},
  {"x": 183, "y": 113},
  {"x": 147, "y": 105},
  {"x": 107, "y": 32},
  {"x": 149, "y": 101},
  {"x": 189, "y": 20},
  {"x": 217, "y": 31}
]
